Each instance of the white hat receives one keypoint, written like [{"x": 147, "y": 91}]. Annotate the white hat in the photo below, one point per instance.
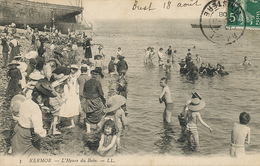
[
  {"x": 31, "y": 54},
  {"x": 115, "y": 102},
  {"x": 36, "y": 76},
  {"x": 196, "y": 104}
]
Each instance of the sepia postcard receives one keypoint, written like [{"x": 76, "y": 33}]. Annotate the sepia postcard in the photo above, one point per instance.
[{"x": 188, "y": 71}]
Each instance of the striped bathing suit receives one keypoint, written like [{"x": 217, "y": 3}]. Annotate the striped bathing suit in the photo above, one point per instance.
[{"x": 192, "y": 129}]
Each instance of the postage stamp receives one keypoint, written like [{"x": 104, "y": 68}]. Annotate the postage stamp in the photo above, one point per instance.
[
  {"x": 213, "y": 21},
  {"x": 252, "y": 13}
]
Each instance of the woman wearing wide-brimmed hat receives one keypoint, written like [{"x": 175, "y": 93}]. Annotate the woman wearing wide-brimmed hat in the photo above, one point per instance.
[
  {"x": 94, "y": 100},
  {"x": 57, "y": 102},
  {"x": 26, "y": 140},
  {"x": 14, "y": 75},
  {"x": 33, "y": 79},
  {"x": 192, "y": 116}
]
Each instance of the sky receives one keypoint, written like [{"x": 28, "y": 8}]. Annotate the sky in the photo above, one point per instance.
[{"x": 124, "y": 9}]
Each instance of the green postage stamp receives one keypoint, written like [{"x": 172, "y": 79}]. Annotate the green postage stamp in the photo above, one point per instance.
[{"x": 244, "y": 13}]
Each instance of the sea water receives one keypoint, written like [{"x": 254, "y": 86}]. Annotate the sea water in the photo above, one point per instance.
[{"x": 226, "y": 97}]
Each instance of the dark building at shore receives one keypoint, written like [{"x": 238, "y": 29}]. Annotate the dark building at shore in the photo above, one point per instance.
[{"x": 37, "y": 15}]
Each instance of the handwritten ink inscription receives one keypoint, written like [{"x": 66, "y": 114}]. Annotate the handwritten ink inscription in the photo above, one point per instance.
[
  {"x": 191, "y": 3},
  {"x": 148, "y": 7},
  {"x": 166, "y": 5}
]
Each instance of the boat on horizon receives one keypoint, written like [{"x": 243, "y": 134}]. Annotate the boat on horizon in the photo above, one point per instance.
[
  {"x": 39, "y": 14},
  {"x": 205, "y": 26}
]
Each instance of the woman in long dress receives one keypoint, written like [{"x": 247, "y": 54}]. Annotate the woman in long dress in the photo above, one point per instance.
[
  {"x": 88, "y": 52},
  {"x": 71, "y": 107}
]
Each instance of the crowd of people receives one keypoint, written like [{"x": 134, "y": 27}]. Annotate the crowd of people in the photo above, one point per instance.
[{"x": 56, "y": 80}]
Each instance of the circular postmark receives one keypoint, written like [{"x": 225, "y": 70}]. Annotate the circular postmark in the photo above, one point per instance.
[{"x": 222, "y": 21}]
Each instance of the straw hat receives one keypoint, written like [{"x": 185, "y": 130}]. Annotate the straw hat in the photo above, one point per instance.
[
  {"x": 196, "y": 104},
  {"x": 59, "y": 81},
  {"x": 36, "y": 76},
  {"x": 115, "y": 102},
  {"x": 54, "y": 60},
  {"x": 31, "y": 54},
  {"x": 14, "y": 62},
  {"x": 74, "y": 67},
  {"x": 16, "y": 102},
  {"x": 45, "y": 87}
]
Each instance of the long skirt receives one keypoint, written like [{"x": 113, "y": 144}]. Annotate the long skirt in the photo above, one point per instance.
[
  {"x": 94, "y": 110},
  {"x": 71, "y": 107},
  {"x": 13, "y": 87},
  {"x": 88, "y": 52},
  {"x": 24, "y": 142}
]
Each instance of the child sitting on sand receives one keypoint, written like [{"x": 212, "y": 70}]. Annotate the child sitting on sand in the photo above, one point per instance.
[
  {"x": 107, "y": 143},
  {"x": 191, "y": 118},
  {"x": 240, "y": 135},
  {"x": 117, "y": 114}
]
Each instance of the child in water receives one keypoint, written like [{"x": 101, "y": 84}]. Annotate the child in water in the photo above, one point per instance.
[
  {"x": 240, "y": 135},
  {"x": 168, "y": 66},
  {"x": 107, "y": 143},
  {"x": 160, "y": 57},
  {"x": 181, "y": 117},
  {"x": 246, "y": 62},
  {"x": 191, "y": 117}
]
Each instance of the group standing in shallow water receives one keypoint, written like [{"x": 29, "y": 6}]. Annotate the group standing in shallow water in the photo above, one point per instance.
[{"x": 187, "y": 65}]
